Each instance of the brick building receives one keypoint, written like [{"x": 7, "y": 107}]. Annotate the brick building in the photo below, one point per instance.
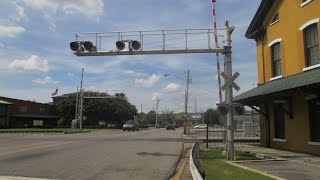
[{"x": 15, "y": 113}]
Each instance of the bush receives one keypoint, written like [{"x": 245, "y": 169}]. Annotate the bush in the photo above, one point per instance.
[{"x": 62, "y": 122}]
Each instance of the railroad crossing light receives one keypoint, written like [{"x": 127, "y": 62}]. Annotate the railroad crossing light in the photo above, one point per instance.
[
  {"x": 80, "y": 46},
  {"x": 120, "y": 45},
  {"x": 87, "y": 45},
  {"x": 76, "y": 46},
  {"x": 136, "y": 45},
  {"x": 223, "y": 108},
  {"x": 238, "y": 109}
]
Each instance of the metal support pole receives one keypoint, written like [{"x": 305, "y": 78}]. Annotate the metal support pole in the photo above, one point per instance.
[
  {"x": 156, "y": 125},
  {"x": 81, "y": 100},
  {"x": 77, "y": 102},
  {"x": 229, "y": 92},
  {"x": 186, "y": 104}
]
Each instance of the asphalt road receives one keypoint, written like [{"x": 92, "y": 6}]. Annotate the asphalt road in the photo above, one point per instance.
[{"x": 147, "y": 154}]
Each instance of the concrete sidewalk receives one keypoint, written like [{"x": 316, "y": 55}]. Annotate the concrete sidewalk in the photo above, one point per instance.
[
  {"x": 284, "y": 164},
  {"x": 279, "y": 163}
]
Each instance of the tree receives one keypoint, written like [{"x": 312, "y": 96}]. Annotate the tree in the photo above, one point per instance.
[
  {"x": 110, "y": 110},
  {"x": 151, "y": 117},
  {"x": 211, "y": 116}
]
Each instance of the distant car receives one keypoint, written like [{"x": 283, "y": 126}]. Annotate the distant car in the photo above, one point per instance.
[
  {"x": 131, "y": 126},
  {"x": 201, "y": 126},
  {"x": 170, "y": 126}
]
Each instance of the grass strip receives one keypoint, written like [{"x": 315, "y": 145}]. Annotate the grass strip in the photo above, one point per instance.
[{"x": 217, "y": 168}]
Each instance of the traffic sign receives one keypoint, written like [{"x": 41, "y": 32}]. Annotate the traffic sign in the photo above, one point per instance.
[
  {"x": 229, "y": 81},
  {"x": 232, "y": 127}
]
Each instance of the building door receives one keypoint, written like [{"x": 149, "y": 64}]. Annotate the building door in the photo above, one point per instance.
[{"x": 314, "y": 118}]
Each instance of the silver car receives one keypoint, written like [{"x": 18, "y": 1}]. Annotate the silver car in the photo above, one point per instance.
[{"x": 130, "y": 126}]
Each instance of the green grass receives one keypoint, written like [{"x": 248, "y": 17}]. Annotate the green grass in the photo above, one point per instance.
[{"x": 216, "y": 168}]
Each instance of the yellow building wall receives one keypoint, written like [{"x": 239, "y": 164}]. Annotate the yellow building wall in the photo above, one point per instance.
[
  {"x": 291, "y": 17},
  {"x": 296, "y": 130}
]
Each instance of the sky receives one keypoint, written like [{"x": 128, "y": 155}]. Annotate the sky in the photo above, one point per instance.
[{"x": 35, "y": 57}]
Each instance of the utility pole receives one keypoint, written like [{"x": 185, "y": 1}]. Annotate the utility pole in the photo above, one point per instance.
[
  {"x": 186, "y": 104},
  {"x": 229, "y": 90},
  {"x": 157, "y": 112},
  {"x": 195, "y": 109},
  {"x": 141, "y": 109},
  {"x": 81, "y": 100},
  {"x": 77, "y": 99}
]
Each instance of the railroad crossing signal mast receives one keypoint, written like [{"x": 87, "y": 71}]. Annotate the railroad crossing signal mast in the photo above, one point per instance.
[{"x": 138, "y": 43}]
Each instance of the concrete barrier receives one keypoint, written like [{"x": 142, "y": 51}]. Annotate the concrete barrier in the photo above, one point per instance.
[{"x": 194, "y": 171}]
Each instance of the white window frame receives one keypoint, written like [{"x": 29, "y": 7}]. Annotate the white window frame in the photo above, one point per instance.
[
  {"x": 274, "y": 41},
  {"x": 274, "y": 22},
  {"x": 308, "y": 23},
  {"x": 305, "y": 3},
  {"x": 276, "y": 77},
  {"x": 311, "y": 67},
  {"x": 314, "y": 143},
  {"x": 279, "y": 140}
]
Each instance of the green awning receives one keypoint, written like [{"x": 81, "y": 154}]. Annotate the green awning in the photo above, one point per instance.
[
  {"x": 294, "y": 81},
  {"x": 4, "y": 102}
]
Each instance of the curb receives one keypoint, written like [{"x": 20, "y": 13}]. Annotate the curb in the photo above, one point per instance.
[
  {"x": 75, "y": 132},
  {"x": 194, "y": 171},
  {"x": 174, "y": 167}
]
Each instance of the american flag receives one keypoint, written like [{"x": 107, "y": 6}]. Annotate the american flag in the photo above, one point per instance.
[{"x": 55, "y": 92}]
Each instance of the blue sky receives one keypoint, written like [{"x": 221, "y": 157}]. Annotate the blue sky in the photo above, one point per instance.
[{"x": 35, "y": 57}]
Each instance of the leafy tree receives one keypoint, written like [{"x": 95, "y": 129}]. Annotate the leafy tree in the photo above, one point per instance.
[
  {"x": 151, "y": 117},
  {"x": 110, "y": 110},
  {"x": 211, "y": 116}
]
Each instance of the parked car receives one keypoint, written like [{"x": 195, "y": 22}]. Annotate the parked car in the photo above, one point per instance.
[
  {"x": 131, "y": 126},
  {"x": 170, "y": 126},
  {"x": 201, "y": 126}
]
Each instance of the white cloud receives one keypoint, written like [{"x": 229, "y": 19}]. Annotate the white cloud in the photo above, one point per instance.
[
  {"x": 20, "y": 13},
  {"x": 91, "y": 9},
  {"x": 70, "y": 74},
  {"x": 172, "y": 87},
  {"x": 155, "y": 95},
  {"x": 10, "y": 31},
  {"x": 34, "y": 63},
  {"x": 2, "y": 45},
  {"x": 133, "y": 73},
  {"x": 148, "y": 82},
  {"x": 45, "y": 80}
]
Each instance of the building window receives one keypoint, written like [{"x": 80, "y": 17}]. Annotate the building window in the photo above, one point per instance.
[
  {"x": 311, "y": 45},
  {"x": 314, "y": 118},
  {"x": 275, "y": 19},
  {"x": 42, "y": 110},
  {"x": 276, "y": 60},
  {"x": 305, "y": 2},
  {"x": 23, "y": 109},
  {"x": 3, "y": 109},
  {"x": 279, "y": 123}
]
